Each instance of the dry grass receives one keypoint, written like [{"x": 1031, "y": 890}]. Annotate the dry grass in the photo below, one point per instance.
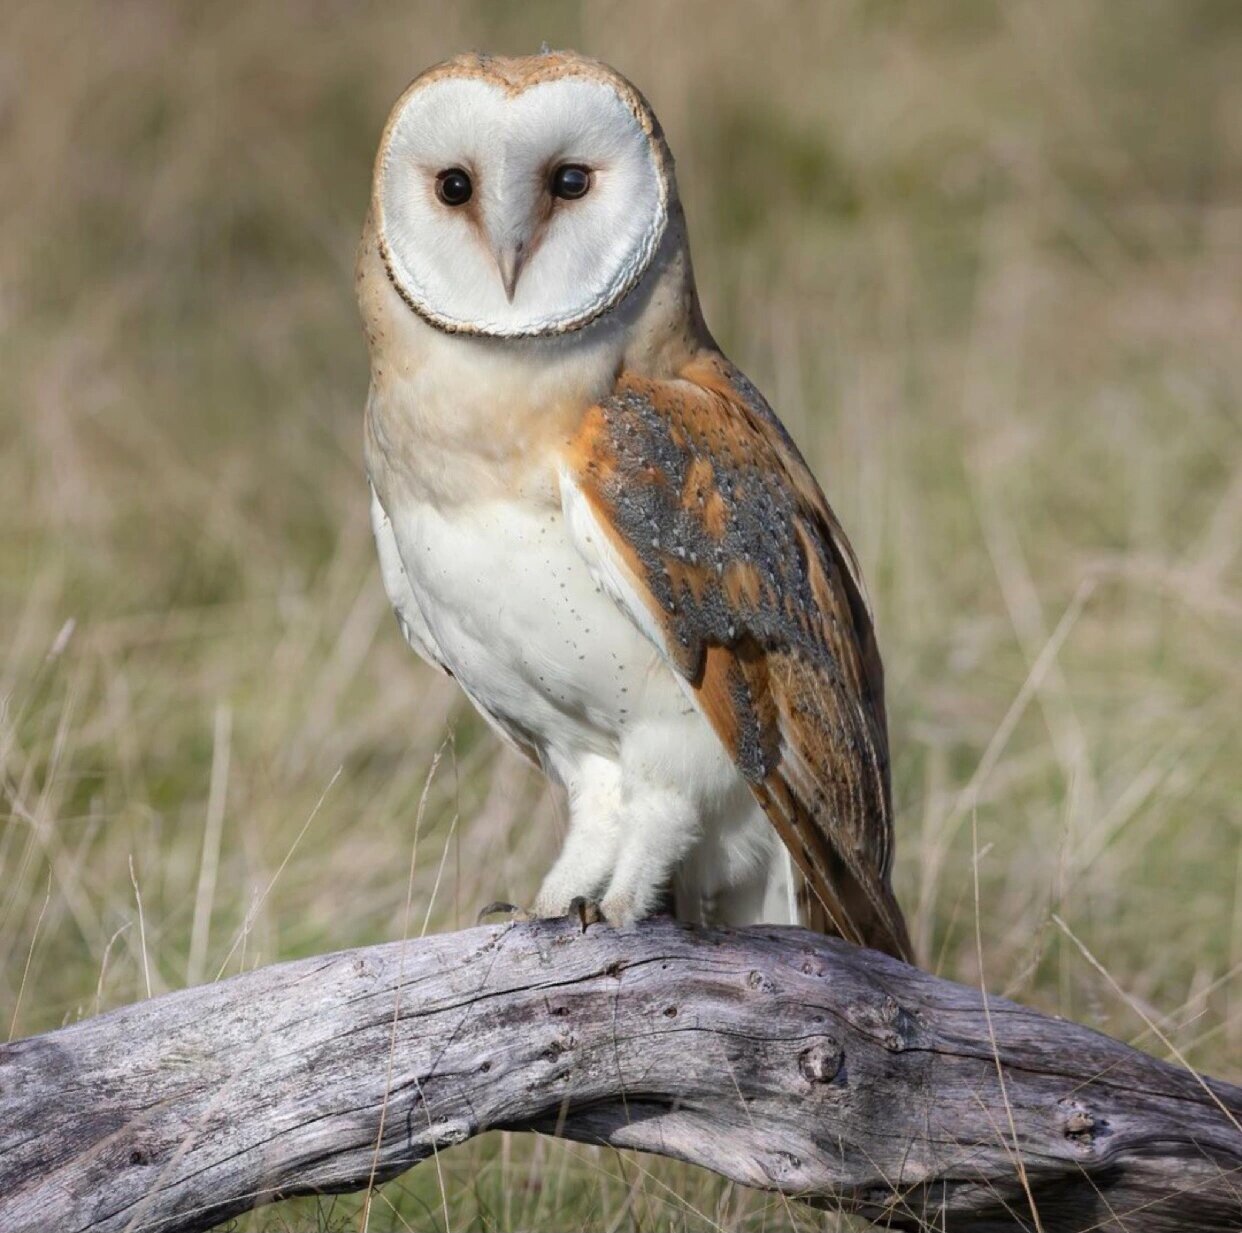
[{"x": 986, "y": 259}]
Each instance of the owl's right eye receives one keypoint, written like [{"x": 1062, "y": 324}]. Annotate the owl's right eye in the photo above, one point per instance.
[{"x": 453, "y": 187}]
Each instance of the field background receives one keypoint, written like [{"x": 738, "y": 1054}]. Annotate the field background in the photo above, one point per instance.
[{"x": 986, "y": 261}]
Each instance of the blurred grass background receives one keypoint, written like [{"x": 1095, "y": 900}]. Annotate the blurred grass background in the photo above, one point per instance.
[{"x": 985, "y": 259}]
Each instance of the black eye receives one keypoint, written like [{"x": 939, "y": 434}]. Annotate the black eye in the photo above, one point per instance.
[
  {"x": 453, "y": 187},
  {"x": 570, "y": 182}
]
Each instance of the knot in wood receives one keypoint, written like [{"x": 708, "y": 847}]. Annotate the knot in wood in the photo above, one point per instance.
[
  {"x": 758, "y": 981},
  {"x": 893, "y": 1040},
  {"x": 557, "y": 1046},
  {"x": 822, "y": 1062},
  {"x": 1080, "y": 1123},
  {"x": 886, "y": 1021},
  {"x": 451, "y": 1132},
  {"x": 783, "y": 1166}
]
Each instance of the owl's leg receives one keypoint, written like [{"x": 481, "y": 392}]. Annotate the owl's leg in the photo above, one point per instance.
[
  {"x": 589, "y": 852},
  {"x": 660, "y": 827},
  {"x": 673, "y": 771}
]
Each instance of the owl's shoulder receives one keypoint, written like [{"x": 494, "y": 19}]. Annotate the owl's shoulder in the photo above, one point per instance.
[
  {"x": 704, "y": 445},
  {"x": 705, "y": 414}
]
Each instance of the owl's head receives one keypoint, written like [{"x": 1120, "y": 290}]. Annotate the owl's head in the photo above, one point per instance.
[{"x": 519, "y": 197}]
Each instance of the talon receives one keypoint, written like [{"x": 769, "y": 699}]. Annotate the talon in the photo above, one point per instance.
[
  {"x": 500, "y": 908},
  {"x": 587, "y": 911}
]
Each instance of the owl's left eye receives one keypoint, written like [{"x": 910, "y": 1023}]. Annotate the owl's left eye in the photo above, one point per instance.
[
  {"x": 453, "y": 187},
  {"x": 569, "y": 182}
]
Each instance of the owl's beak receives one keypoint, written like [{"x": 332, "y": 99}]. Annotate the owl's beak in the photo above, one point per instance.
[{"x": 510, "y": 256}]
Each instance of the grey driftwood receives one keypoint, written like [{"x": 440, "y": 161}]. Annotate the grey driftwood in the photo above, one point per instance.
[{"x": 776, "y": 1057}]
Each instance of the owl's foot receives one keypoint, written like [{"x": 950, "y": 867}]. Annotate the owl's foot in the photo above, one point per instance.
[
  {"x": 515, "y": 914},
  {"x": 586, "y": 910}
]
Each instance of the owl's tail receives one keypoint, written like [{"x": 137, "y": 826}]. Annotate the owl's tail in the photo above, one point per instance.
[
  {"x": 868, "y": 916},
  {"x": 850, "y": 898}
]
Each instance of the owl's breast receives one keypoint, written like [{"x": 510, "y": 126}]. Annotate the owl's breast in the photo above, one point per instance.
[{"x": 506, "y": 603}]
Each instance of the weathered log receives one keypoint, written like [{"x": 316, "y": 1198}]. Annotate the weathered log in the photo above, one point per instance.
[{"x": 779, "y": 1058}]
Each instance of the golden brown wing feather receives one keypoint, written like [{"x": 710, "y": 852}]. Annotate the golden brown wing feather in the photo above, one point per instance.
[{"x": 756, "y": 597}]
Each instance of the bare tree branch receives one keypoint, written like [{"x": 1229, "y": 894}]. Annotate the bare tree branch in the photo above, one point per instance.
[{"x": 779, "y": 1058}]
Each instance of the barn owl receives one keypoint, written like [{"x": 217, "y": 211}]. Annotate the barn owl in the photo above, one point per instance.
[{"x": 590, "y": 518}]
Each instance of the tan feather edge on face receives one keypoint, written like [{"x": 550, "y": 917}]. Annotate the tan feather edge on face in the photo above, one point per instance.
[
  {"x": 515, "y": 74},
  {"x": 728, "y": 542}
]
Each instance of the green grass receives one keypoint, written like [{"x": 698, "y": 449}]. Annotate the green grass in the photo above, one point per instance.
[{"x": 985, "y": 259}]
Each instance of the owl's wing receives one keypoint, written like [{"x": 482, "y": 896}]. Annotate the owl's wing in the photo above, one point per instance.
[{"x": 699, "y": 516}]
